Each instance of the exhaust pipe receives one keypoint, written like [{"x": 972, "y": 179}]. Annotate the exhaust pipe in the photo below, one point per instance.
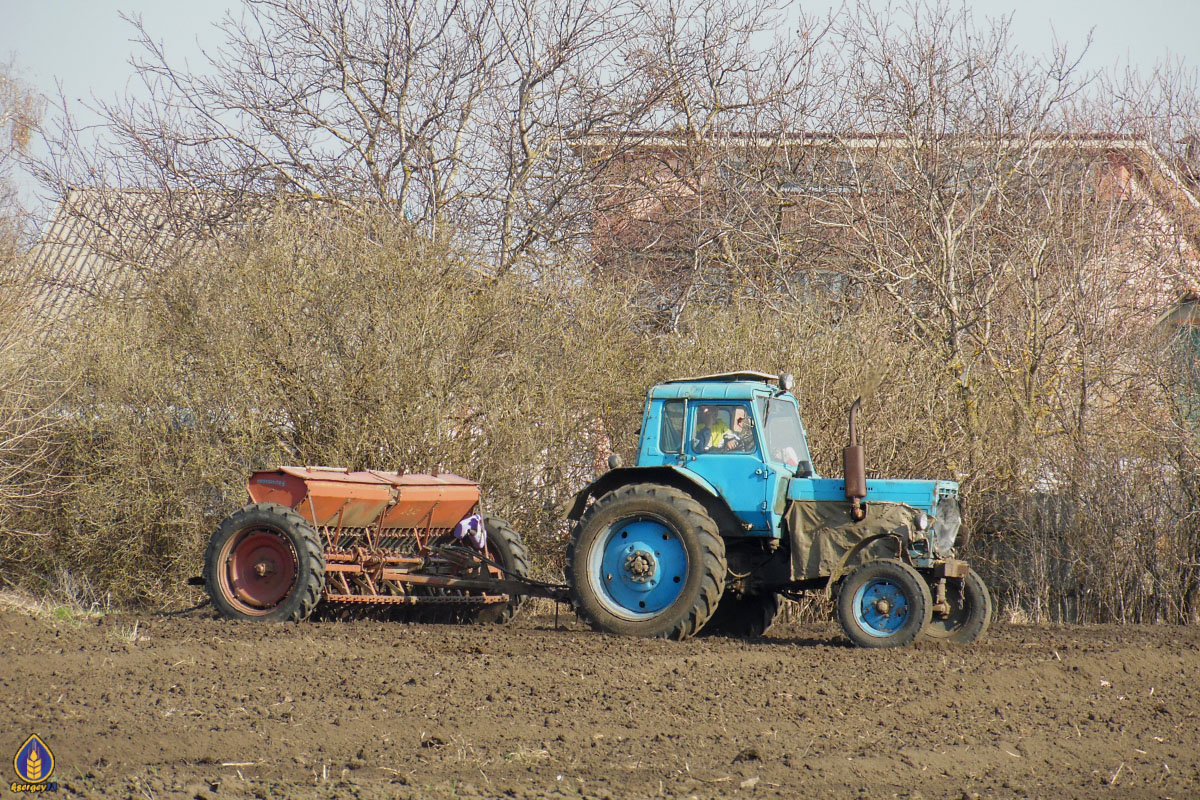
[{"x": 854, "y": 467}]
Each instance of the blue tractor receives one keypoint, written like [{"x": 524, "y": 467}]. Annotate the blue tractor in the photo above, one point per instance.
[{"x": 723, "y": 514}]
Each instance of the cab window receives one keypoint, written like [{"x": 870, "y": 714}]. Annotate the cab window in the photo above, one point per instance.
[
  {"x": 722, "y": 428},
  {"x": 670, "y": 439},
  {"x": 785, "y": 435}
]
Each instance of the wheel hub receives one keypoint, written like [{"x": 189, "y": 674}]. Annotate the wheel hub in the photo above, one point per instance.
[
  {"x": 640, "y": 565},
  {"x": 880, "y": 607},
  {"x": 260, "y": 570}
]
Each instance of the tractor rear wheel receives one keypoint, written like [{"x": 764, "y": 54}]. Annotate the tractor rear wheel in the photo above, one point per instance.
[
  {"x": 745, "y": 616},
  {"x": 970, "y": 611},
  {"x": 504, "y": 546},
  {"x": 264, "y": 562},
  {"x": 646, "y": 560},
  {"x": 884, "y": 603}
]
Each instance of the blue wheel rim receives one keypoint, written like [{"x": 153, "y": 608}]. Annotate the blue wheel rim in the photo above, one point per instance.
[
  {"x": 881, "y": 607},
  {"x": 638, "y": 567}
]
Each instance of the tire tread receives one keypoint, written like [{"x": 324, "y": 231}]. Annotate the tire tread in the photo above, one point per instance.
[
  {"x": 712, "y": 549},
  {"x": 904, "y": 636},
  {"x": 310, "y": 576},
  {"x": 976, "y": 624},
  {"x": 516, "y": 562},
  {"x": 747, "y": 616}
]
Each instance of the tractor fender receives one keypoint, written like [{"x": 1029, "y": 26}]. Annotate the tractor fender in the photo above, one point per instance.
[
  {"x": 677, "y": 477},
  {"x": 840, "y": 572}
]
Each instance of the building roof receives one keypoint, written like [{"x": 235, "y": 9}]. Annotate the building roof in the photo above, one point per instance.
[
  {"x": 100, "y": 241},
  {"x": 1184, "y": 314},
  {"x": 104, "y": 242},
  {"x": 1170, "y": 190}
]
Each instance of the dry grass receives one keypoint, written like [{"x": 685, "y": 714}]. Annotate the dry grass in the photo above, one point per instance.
[
  {"x": 126, "y": 633},
  {"x": 48, "y": 608},
  {"x": 325, "y": 345}
]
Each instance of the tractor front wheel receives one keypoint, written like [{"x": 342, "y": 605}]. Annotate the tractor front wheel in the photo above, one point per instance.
[
  {"x": 884, "y": 603},
  {"x": 970, "y": 611},
  {"x": 264, "y": 562},
  {"x": 646, "y": 560}
]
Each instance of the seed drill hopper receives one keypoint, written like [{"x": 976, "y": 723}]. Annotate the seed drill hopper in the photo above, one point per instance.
[{"x": 379, "y": 543}]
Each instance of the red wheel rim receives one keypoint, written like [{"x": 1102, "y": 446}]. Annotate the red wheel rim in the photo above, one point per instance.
[{"x": 260, "y": 571}]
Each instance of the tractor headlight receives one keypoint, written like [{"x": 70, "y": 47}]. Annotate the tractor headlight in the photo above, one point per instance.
[
  {"x": 945, "y": 527},
  {"x": 922, "y": 521}
]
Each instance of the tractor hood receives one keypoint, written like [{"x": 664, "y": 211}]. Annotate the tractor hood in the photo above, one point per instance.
[
  {"x": 938, "y": 499},
  {"x": 922, "y": 495}
]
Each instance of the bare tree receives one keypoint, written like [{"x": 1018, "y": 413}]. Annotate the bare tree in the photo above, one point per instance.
[
  {"x": 897, "y": 194},
  {"x": 26, "y": 425},
  {"x": 568, "y": 71},
  {"x": 352, "y": 101},
  {"x": 20, "y": 112},
  {"x": 936, "y": 156},
  {"x": 700, "y": 192},
  {"x": 461, "y": 117}
]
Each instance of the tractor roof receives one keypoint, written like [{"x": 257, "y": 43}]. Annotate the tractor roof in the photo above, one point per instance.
[
  {"x": 724, "y": 386},
  {"x": 728, "y": 377}
]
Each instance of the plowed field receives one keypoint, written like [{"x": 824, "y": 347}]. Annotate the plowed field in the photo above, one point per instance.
[{"x": 195, "y": 707}]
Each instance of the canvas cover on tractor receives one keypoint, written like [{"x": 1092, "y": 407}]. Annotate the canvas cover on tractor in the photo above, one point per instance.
[{"x": 822, "y": 532}]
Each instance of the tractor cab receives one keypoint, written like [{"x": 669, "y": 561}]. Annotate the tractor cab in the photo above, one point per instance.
[{"x": 738, "y": 434}]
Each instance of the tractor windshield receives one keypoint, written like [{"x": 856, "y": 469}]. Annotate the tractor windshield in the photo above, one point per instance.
[{"x": 784, "y": 435}]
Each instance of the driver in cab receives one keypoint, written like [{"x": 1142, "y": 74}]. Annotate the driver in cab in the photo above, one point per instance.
[{"x": 713, "y": 433}]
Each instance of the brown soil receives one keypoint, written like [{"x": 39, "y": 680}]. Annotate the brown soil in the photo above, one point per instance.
[{"x": 197, "y": 707}]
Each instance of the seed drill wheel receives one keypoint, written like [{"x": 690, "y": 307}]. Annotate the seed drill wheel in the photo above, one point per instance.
[
  {"x": 504, "y": 546},
  {"x": 264, "y": 562},
  {"x": 745, "y": 616},
  {"x": 884, "y": 603},
  {"x": 970, "y": 611},
  {"x": 646, "y": 560}
]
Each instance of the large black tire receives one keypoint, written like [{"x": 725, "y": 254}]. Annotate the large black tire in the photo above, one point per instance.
[
  {"x": 970, "y": 611},
  {"x": 504, "y": 546},
  {"x": 694, "y": 562},
  {"x": 264, "y": 562},
  {"x": 884, "y": 603},
  {"x": 743, "y": 616}
]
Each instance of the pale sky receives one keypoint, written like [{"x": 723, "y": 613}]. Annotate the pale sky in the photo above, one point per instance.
[{"x": 86, "y": 46}]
